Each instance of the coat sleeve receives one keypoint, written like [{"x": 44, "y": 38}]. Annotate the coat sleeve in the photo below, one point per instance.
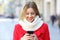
[
  {"x": 17, "y": 33},
  {"x": 43, "y": 33},
  {"x": 46, "y": 34}
]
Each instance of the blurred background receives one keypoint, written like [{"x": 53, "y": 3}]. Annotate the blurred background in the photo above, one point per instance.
[{"x": 10, "y": 10}]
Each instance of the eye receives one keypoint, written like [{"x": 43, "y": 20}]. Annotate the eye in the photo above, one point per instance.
[
  {"x": 27, "y": 13},
  {"x": 32, "y": 13}
]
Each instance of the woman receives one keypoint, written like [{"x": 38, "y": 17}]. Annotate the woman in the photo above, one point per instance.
[{"x": 30, "y": 21}]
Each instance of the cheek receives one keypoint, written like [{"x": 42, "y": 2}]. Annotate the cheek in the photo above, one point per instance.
[
  {"x": 33, "y": 15},
  {"x": 26, "y": 17}
]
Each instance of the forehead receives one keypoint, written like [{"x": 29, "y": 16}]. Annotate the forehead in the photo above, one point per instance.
[{"x": 30, "y": 10}]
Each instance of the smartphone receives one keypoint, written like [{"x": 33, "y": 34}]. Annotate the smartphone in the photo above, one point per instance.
[{"x": 30, "y": 32}]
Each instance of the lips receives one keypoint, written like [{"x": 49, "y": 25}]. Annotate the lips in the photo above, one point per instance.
[{"x": 29, "y": 18}]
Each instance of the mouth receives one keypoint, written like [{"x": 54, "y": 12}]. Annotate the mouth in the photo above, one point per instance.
[{"x": 29, "y": 18}]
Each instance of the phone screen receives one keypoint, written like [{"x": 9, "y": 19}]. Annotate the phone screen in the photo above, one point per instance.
[{"x": 30, "y": 32}]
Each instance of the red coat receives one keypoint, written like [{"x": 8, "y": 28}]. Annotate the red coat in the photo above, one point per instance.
[{"x": 42, "y": 33}]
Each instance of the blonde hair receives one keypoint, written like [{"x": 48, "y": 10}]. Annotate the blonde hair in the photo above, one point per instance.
[{"x": 29, "y": 5}]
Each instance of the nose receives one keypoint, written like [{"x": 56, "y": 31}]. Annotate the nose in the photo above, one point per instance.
[{"x": 30, "y": 15}]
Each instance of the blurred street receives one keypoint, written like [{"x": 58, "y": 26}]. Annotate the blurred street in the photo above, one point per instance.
[
  {"x": 7, "y": 27},
  {"x": 54, "y": 31}
]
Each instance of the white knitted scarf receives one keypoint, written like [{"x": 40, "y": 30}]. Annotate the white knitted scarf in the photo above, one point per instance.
[{"x": 28, "y": 26}]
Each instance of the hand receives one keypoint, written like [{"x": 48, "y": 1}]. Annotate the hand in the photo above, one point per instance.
[
  {"x": 28, "y": 37},
  {"x": 34, "y": 36}
]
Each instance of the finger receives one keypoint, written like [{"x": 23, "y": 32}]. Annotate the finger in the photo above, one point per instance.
[
  {"x": 33, "y": 35},
  {"x": 28, "y": 38},
  {"x": 26, "y": 34}
]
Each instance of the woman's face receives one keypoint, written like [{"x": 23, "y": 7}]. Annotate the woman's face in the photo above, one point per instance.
[{"x": 30, "y": 15}]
